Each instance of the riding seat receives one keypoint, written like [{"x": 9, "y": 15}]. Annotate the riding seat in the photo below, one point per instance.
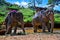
[{"x": 39, "y": 14}]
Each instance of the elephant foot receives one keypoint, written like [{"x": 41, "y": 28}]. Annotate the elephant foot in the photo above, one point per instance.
[
  {"x": 13, "y": 34},
  {"x": 44, "y": 31},
  {"x": 35, "y": 31},
  {"x": 51, "y": 31},
  {"x": 7, "y": 34},
  {"x": 48, "y": 30}
]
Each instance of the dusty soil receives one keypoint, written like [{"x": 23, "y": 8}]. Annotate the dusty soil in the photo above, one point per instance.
[{"x": 30, "y": 35}]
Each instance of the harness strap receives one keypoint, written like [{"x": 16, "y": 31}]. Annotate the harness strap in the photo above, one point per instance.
[{"x": 49, "y": 12}]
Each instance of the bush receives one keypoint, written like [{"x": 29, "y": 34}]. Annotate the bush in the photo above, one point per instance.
[{"x": 57, "y": 18}]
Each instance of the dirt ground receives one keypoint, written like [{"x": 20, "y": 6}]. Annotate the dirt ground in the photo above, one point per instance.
[{"x": 30, "y": 35}]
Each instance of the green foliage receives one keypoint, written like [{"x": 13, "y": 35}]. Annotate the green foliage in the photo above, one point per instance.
[
  {"x": 54, "y": 1},
  {"x": 57, "y": 18},
  {"x": 27, "y": 14},
  {"x": 3, "y": 13},
  {"x": 3, "y": 2},
  {"x": 14, "y": 6},
  {"x": 2, "y": 18},
  {"x": 50, "y": 1}
]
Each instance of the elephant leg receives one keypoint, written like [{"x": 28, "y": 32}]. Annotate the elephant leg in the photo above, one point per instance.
[
  {"x": 8, "y": 30},
  {"x": 52, "y": 22},
  {"x": 15, "y": 29},
  {"x": 52, "y": 26},
  {"x": 22, "y": 26},
  {"x": 48, "y": 27},
  {"x": 35, "y": 28},
  {"x": 8, "y": 25},
  {"x": 43, "y": 26}
]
